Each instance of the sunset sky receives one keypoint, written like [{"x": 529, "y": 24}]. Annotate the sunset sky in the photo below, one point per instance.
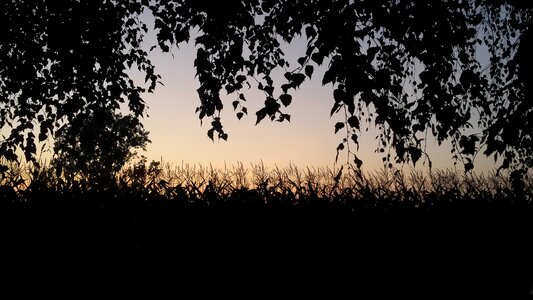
[{"x": 307, "y": 141}]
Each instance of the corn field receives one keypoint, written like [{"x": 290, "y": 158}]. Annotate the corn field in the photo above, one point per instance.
[
  {"x": 365, "y": 231},
  {"x": 210, "y": 185}
]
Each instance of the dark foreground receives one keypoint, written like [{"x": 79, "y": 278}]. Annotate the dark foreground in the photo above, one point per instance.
[{"x": 370, "y": 249}]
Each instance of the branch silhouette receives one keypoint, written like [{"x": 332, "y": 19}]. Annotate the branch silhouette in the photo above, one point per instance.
[{"x": 414, "y": 66}]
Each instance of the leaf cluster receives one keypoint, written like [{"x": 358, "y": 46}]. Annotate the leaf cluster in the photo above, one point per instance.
[{"x": 409, "y": 69}]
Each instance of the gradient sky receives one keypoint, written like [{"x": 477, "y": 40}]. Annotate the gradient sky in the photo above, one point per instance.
[{"x": 307, "y": 141}]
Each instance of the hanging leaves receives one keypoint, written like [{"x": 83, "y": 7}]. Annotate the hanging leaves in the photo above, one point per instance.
[{"x": 60, "y": 61}]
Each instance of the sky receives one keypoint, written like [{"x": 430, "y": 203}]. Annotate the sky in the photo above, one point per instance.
[{"x": 177, "y": 135}]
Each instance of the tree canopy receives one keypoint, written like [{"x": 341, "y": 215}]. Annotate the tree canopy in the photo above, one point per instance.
[
  {"x": 409, "y": 68},
  {"x": 96, "y": 147}
]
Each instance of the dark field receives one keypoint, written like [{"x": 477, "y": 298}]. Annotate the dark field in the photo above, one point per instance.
[{"x": 273, "y": 240}]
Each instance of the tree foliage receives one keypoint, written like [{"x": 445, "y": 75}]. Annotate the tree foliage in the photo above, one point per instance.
[
  {"x": 64, "y": 60},
  {"x": 410, "y": 69},
  {"x": 97, "y": 147}
]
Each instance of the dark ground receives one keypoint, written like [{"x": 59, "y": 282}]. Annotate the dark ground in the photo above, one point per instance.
[{"x": 333, "y": 250}]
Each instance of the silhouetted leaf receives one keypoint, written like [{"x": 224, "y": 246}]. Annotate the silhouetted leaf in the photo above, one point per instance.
[
  {"x": 469, "y": 166},
  {"x": 339, "y": 126},
  {"x": 269, "y": 90},
  {"x": 339, "y": 95},
  {"x": 229, "y": 88},
  {"x": 468, "y": 144},
  {"x": 298, "y": 79},
  {"x": 358, "y": 163},
  {"x": 42, "y": 136},
  {"x": 336, "y": 107},
  {"x": 309, "y": 70},
  {"x": 417, "y": 128},
  {"x": 271, "y": 106},
  {"x": 261, "y": 114},
  {"x": 466, "y": 78},
  {"x": 329, "y": 77},
  {"x": 269, "y": 80},
  {"x": 285, "y": 99},
  {"x": 317, "y": 58},
  {"x": 353, "y": 121},
  {"x": 240, "y": 78},
  {"x": 202, "y": 114},
  {"x": 286, "y": 87},
  {"x": 415, "y": 154},
  {"x": 216, "y": 124},
  {"x": 354, "y": 138},
  {"x": 310, "y": 32},
  {"x": 371, "y": 52}
]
